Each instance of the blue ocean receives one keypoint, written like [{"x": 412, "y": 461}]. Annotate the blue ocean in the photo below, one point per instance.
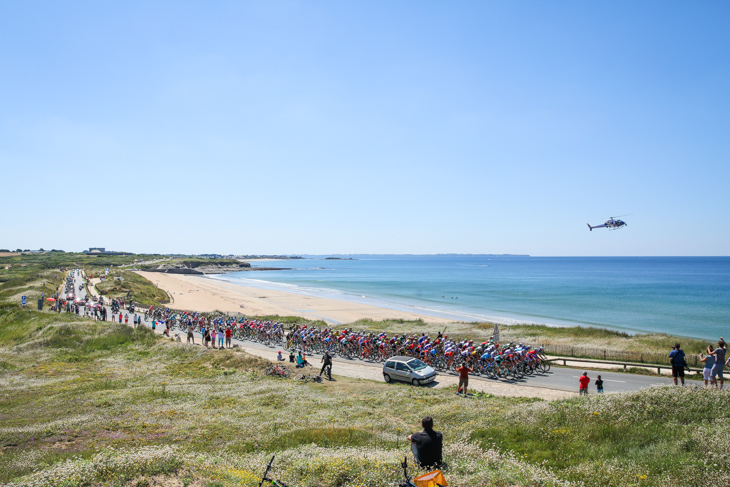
[{"x": 684, "y": 296}]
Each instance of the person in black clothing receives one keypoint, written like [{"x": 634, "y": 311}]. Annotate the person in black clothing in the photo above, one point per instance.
[
  {"x": 427, "y": 445},
  {"x": 327, "y": 365}
]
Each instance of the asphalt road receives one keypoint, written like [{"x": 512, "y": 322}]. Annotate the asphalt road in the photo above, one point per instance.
[{"x": 558, "y": 378}]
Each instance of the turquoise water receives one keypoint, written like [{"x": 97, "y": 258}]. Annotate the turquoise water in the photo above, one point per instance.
[{"x": 686, "y": 296}]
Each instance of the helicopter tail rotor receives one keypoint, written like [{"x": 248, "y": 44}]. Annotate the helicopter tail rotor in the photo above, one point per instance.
[{"x": 589, "y": 227}]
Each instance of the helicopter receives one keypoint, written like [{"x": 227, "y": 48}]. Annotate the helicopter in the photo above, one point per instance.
[{"x": 612, "y": 224}]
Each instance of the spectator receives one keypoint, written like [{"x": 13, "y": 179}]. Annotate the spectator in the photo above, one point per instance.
[
  {"x": 719, "y": 354},
  {"x": 599, "y": 385},
  {"x": 709, "y": 361},
  {"x": 584, "y": 381},
  {"x": 228, "y": 336},
  {"x": 676, "y": 358},
  {"x": 327, "y": 365},
  {"x": 291, "y": 356},
  {"x": 190, "y": 333},
  {"x": 463, "y": 378},
  {"x": 427, "y": 445},
  {"x": 279, "y": 357}
]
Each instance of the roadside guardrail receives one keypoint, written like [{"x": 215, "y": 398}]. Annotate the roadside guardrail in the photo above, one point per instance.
[{"x": 609, "y": 362}]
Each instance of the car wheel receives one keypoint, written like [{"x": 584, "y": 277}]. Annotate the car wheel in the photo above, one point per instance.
[
  {"x": 386, "y": 377},
  {"x": 416, "y": 382}
]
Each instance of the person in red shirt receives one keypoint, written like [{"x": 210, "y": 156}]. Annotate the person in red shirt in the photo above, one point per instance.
[
  {"x": 584, "y": 381},
  {"x": 228, "y": 337},
  {"x": 463, "y": 378}
]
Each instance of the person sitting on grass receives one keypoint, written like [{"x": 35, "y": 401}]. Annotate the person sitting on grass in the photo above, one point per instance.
[
  {"x": 300, "y": 360},
  {"x": 427, "y": 445}
]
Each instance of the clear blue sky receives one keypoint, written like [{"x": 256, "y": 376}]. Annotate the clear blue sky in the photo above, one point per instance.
[{"x": 366, "y": 127}]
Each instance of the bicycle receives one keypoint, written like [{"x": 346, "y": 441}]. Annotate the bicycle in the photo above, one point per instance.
[
  {"x": 328, "y": 371},
  {"x": 307, "y": 378},
  {"x": 275, "y": 370},
  {"x": 265, "y": 478},
  {"x": 409, "y": 480}
]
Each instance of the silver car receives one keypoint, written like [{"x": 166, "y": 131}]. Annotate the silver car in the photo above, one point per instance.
[{"x": 408, "y": 369}]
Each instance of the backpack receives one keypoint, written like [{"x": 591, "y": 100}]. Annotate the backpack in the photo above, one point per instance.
[{"x": 678, "y": 358}]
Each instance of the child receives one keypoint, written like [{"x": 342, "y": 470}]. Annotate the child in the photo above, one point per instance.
[{"x": 599, "y": 385}]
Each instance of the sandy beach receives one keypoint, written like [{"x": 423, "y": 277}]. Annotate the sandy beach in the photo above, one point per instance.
[{"x": 201, "y": 294}]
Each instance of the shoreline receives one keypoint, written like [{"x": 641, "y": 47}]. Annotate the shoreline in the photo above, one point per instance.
[
  {"x": 208, "y": 294},
  {"x": 194, "y": 292},
  {"x": 427, "y": 314}
]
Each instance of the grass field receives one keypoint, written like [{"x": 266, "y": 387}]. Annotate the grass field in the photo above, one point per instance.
[
  {"x": 92, "y": 403},
  {"x": 143, "y": 291},
  {"x": 96, "y": 403}
]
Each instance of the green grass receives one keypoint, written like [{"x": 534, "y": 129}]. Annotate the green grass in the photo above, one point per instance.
[
  {"x": 172, "y": 411},
  {"x": 97, "y": 403},
  {"x": 654, "y": 431},
  {"x": 144, "y": 292},
  {"x": 191, "y": 262}
]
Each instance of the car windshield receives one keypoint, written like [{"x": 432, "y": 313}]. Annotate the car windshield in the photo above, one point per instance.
[{"x": 416, "y": 364}]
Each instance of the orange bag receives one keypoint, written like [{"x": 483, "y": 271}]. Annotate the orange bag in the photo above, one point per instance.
[{"x": 430, "y": 479}]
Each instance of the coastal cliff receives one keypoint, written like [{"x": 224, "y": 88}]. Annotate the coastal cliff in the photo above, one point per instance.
[{"x": 204, "y": 266}]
